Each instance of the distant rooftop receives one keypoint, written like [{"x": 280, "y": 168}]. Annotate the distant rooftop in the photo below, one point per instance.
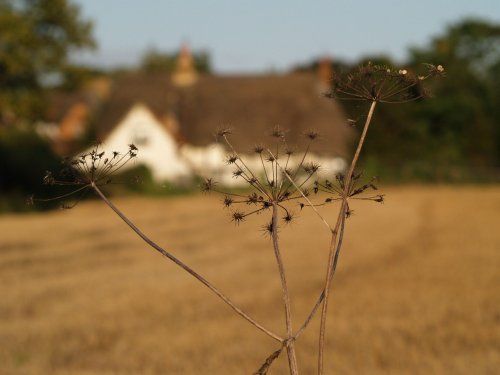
[{"x": 251, "y": 105}]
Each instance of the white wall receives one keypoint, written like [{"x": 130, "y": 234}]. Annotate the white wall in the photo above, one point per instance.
[
  {"x": 159, "y": 151},
  {"x": 157, "y": 148}
]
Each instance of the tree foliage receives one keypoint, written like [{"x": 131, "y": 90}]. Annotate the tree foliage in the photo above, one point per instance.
[
  {"x": 36, "y": 39},
  {"x": 20, "y": 172},
  {"x": 455, "y": 136}
]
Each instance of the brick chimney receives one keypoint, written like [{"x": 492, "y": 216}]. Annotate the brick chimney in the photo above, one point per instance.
[
  {"x": 325, "y": 73},
  {"x": 185, "y": 73}
]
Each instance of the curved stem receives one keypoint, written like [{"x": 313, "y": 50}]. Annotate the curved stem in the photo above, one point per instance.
[
  {"x": 186, "y": 268},
  {"x": 331, "y": 256},
  {"x": 290, "y": 342}
]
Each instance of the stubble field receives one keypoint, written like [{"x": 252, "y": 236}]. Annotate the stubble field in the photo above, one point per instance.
[{"x": 417, "y": 290}]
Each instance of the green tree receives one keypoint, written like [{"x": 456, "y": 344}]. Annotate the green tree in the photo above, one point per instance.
[
  {"x": 455, "y": 136},
  {"x": 20, "y": 172},
  {"x": 465, "y": 118},
  {"x": 36, "y": 39}
]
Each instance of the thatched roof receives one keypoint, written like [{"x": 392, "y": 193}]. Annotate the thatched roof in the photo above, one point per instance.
[{"x": 250, "y": 105}]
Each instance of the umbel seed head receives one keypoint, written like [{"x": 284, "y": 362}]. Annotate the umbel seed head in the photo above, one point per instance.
[
  {"x": 382, "y": 84},
  {"x": 277, "y": 178}
]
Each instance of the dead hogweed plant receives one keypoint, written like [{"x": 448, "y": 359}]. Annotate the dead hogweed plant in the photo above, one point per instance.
[
  {"x": 282, "y": 178},
  {"x": 273, "y": 187}
]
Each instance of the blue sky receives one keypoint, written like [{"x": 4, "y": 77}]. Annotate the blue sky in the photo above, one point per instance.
[{"x": 256, "y": 36}]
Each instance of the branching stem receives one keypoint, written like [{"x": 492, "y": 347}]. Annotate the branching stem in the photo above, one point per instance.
[
  {"x": 332, "y": 257},
  {"x": 186, "y": 268}
]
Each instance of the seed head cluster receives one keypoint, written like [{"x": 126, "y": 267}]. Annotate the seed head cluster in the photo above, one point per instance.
[
  {"x": 383, "y": 84},
  {"x": 279, "y": 177},
  {"x": 355, "y": 190},
  {"x": 95, "y": 167}
]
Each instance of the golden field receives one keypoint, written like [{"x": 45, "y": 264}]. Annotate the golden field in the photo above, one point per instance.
[{"x": 417, "y": 289}]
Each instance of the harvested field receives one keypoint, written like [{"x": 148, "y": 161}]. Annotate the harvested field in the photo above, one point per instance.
[{"x": 417, "y": 291}]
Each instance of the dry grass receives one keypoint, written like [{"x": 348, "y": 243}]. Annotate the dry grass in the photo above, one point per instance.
[{"x": 416, "y": 291}]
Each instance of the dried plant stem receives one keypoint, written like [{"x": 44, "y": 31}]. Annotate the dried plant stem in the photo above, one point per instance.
[
  {"x": 189, "y": 270},
  {"x": 333, "y": 243},
  {"x": 322, "y": 295},
  {"x": 326, "y": 289},
  {"x": 360, "y": 144},
  {"x": 290, "y": 342}
]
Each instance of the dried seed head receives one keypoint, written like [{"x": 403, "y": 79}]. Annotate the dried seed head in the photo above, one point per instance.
[
  {"x": 253, "y": 198},
  {"x": 276, "y": 184},
  {"x": 238, "y": 217},
  {"x": 222, "y": 132},
  {"x": 278, "y": 133},
  {"x": 312, "y": 135},
  {"x": 380, "y": 83},
  {"x": 268, "y": 228},
  {"x": 228, "y": 201},
  {"x": 207, "y": 185},
  {"x": 436, "y": 70},
  {"x": 87, "y": 170},
  {"x": 258, "y": 149},
  {"x": 311, "y": 167},
  {"x": 266, "y": 204},
  {"x": 288, "y": 218},
  {"x": 237, "y": 173},
  {"x": 231, "y": 159},
  {"x": 348, "y": 213}
]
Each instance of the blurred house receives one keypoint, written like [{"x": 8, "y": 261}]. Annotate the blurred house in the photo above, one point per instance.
[{"x": 172, "y": 118}]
